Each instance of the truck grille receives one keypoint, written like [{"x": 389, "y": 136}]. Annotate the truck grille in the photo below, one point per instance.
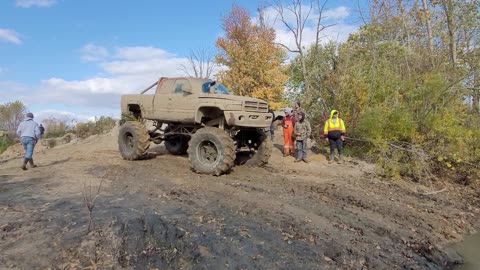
[{"x": 255, "y": 106}]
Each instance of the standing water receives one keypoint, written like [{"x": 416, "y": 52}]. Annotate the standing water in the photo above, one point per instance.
[{"x": 470, "y": 251}]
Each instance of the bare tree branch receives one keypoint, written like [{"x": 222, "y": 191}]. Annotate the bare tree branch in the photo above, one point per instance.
[
  {"x": 200, "y": 62},
  {"x": 297, "y": 29},
  {"x": 89, "y": 199},
  {"x": 286, "y": 47}
]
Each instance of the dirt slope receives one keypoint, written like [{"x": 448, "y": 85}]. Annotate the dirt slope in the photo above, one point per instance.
[{"x": 157, "y": 214}]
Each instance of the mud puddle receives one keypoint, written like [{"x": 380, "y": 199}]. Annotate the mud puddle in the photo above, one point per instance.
[{"x": 470, "y": 251}]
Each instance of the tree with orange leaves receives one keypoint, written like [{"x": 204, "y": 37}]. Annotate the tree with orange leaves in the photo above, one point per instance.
[{"x": 253, "y": 60}]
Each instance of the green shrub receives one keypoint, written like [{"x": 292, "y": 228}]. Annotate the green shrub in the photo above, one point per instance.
[
  {"x": 51, "y": 143},
  {"x": 101, "y": 125},
  {"x": 54, "y": 134},
  {"x": 5, "y": 142}
]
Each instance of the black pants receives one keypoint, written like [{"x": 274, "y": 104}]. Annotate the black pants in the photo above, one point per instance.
[{"x": 335, "y": 143}]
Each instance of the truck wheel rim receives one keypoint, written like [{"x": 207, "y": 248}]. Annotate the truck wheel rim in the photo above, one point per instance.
[
  {"x": 208, "y": 152},
  {"x": 129, "y": 140}
]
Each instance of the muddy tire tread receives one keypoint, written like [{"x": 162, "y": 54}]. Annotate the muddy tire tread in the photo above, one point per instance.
[
  {"x": 143, "y": 140},
  {"x": 228, "y": 151},
  {"x": 263, "y": 155}
]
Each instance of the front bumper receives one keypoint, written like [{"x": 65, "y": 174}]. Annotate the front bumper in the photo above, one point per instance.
[{"x": 248, "y": 119}]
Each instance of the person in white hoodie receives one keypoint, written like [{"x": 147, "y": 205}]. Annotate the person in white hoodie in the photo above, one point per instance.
[{"x": 29, "y": 133}]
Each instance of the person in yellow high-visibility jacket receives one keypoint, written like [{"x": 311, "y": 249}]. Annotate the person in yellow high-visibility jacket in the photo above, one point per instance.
[{"x": 334, "y": 132}]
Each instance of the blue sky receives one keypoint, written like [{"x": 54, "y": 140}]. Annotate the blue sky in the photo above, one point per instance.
[{"x": 73, "y": 59}]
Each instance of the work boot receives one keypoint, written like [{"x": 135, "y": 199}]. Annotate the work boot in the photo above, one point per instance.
[
  {"x": 306, "y": 160},
  {"x": 331, "y": 159},
  {"x": 32, "y": 165},
  {"x": 24, "y": 166},
  {"x": 341, "y": 160},
  {"x": 297, "y": 160},
  {"x": 285, "y": 154}
]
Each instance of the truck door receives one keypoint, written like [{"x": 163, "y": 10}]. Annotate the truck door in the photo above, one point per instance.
[
  {"x": 160, "y": 102},
  {"x": 182, "y": 102}
]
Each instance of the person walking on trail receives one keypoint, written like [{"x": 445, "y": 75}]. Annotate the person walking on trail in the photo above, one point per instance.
[
  {"x": 42, "y": 130},
  {"x": 29, "y": 133},
  {"x": 334, "y": 132},
  {"x": 302, "y": 132},
  {"x": 288, "y": 123},
  {"x": 272, "y": 125}
]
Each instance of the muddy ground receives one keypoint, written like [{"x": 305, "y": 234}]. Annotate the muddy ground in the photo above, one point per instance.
[{"x": 158, "y": 214}]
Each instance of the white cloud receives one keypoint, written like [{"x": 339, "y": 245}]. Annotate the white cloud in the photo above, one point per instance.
[
  {"x": 11, "y": 91},
  {"x": 10, "y": 36},
  {"x": 91, "y": 52},
  {"x": 71, "y": 118},
  {"x": 93, "y": 85},
  {"x": 67, "y": 117},
  {"x": 31, "y": 3},
  {"x": 338, "y": 13},
  {"x": 159, "y": 66},
  {"x": 131, "y": 69}
]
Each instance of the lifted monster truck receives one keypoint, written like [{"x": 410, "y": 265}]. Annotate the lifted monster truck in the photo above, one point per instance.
[{"x": 198, "y": 117}]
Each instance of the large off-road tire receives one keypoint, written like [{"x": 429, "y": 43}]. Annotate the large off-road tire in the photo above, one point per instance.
[
  {"x": 177, "y": 144},
  {"x": 211, "y": 151},
  {"x": 133, "y": 140},
  {"x": 263, "y": 152},
  {"x": 260, "y": 146}
]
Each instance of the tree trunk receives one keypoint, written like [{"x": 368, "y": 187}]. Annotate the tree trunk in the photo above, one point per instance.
[
  {"x": 406, "y": 32},
  {"x": 449, "y": 14},
  {"x": 427, "y": 23},
  {"x": 476, "y": 93}
]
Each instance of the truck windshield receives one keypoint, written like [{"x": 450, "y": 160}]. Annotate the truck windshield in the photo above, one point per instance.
[{"x": 217, "y": 88}]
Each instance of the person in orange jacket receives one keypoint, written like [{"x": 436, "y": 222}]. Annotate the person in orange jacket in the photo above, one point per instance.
[
  {"x": 334, "y": 132},
  {"x": 288, "y": 123}
]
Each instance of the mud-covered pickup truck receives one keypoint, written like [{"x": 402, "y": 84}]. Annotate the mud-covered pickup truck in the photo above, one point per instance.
[{"x": 199, "y": 117}]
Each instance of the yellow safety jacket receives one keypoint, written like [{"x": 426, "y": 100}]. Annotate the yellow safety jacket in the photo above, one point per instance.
[{"x": 334, "y": 130}]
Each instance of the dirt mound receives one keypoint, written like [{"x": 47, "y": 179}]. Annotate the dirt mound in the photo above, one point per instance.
[
  {"x": 17, "y": 150},
  {"x": 52, "y": 142},
  {"x": 13, "y": 151}
]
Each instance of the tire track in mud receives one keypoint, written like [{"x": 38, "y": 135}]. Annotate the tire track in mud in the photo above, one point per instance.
[
  {"x": 341, "y": 218},
  {"x": 250, "y": 239},
  {"x": 270, "y": 202}
]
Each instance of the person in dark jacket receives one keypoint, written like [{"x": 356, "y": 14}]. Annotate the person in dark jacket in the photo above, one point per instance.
[
  {"x": 334, "y": 132},
  {"x": 302, "y": 131},
  {"x": 42, "y": 130},
  {"x": 272, "y": 124},
  {"x": 29, "y": 133},
  {"x": 298, "y": 110}
]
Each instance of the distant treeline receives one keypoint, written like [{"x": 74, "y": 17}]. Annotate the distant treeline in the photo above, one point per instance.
[{"x": 13, "y": 113}]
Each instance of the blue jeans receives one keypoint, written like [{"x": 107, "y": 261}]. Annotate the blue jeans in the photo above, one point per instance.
[
  {"x": 301, "y": 148},
  {"x": 28, "y": 145}
]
